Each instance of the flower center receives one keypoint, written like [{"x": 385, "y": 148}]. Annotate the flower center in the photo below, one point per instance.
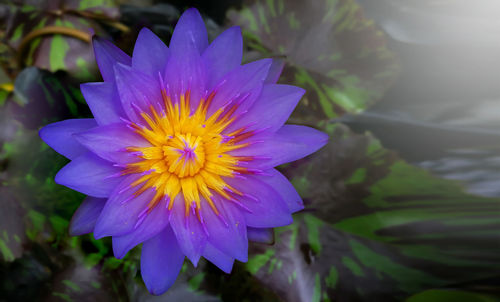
[
  {"x": 184, "y": 155},
  {"x": 189, "y": 153}
]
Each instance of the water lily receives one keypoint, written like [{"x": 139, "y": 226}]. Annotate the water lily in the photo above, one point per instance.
[{"x": 181, "y": 151}]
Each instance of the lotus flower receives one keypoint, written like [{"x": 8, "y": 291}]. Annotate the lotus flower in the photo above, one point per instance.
[{"x": 181, "y": 151}]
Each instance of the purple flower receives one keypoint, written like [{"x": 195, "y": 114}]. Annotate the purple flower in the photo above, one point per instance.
[{"x": 181, "y": 152}]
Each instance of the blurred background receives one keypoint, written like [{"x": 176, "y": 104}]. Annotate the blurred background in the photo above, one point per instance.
[{"x": 403, "y": 204}]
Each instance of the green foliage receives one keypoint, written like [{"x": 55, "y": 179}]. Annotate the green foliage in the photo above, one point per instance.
[
  {"x": 393, "y": 232},
  {"x": 58, "y": 41},
  {"x": 330, "y": 48},
  {"x": 42, "y": 97}
]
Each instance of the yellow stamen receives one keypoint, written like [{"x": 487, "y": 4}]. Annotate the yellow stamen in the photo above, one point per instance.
[{"x": 189, "y": 154}]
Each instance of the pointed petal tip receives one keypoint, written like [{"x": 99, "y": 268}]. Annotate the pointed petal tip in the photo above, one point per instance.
[
  {"x": 287, "y": 221},
  {"x": 100, "y": 229},
  {"x": 236, "y": 30},
  {"x": 44, "y": 134},
  {"x": 60, "y": 177},
  {"x": 275, "y": 71},
  {"x": 223, "y": 55},
  {"x": 227, "y": 268},
  {"x": 107, "y": 54},
  {"x": 74, "y": 231},
  {"x": 243, "y": 257},
  {"x": 190, "y": 31},
  {"x": 218, "y": 258},
  {"x": 264, "y": 65},
  {"x": 85, "y": 217},
  {"x": 300, "y": 90},
  {"x": 157, "y": 291},
  {"x": 146, "y": 31},
  {"x": 228, "y": 271},
  {"x": 88, "y": 174},
  {"x": 195, "y": 259},
  {"x": 119, "y": 253},
  {"x": 159, "y": 272},
  {"x": 322, "y": 139},
  {"x": 266, "y": 62},
  {"x": 192, "y": 11},
  {"x": 98, "y": 234},
  {"x": 299, "y": 207},
  {"x": 261, "y": 235},
  {"x": 99, "y": 44},
  {"x": 58, "y": 136},
  {"x": 41, "y": 133},
  {"x": 148, "y": 43}
]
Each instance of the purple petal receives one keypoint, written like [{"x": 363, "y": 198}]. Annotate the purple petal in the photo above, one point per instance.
[
  {"x": 223, "y": 55},
  {"x": 147, "y": 44},
  {"x": 271, "y": 109},
  {"x": 153, "y": 224},
  {"x": 185, "y": 71},
  {"x": 190, "y": 31},
  {"x": 189, "y": 231},
  {"x": 285, "y": 189},
  {"x": 241, "y": 87},
  {"x": 228, "y": 232},
  {"x": 107, "y": 55},
  {"x": 110, "y": 141},
  {"x": 103, "y": 101},
  {"x": 136, "y": 89},
  {"x": 89, "y": 175},
  {"x": 262, "y": 235},
  {"x": 275, "y": 71},
  {"x": 59, "y": 136},
  {"x": 221, "y": 260},
  {"x": 288, "y": 144},
  {"x": 121, "y": 212},
  {"x": 161, "y": 262},
  {"x": 266, "y": 208},
  {"x": 84, "y": 219}
]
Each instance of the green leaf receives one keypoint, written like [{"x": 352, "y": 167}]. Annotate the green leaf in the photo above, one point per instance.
[
  {"x": 376, "y": 229},
  {"x": 329, "y": 47},
  {"x": 58, "y": 50},
  {"x": 55, "y": 50},
  {"x": 43, "y": 96}
]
